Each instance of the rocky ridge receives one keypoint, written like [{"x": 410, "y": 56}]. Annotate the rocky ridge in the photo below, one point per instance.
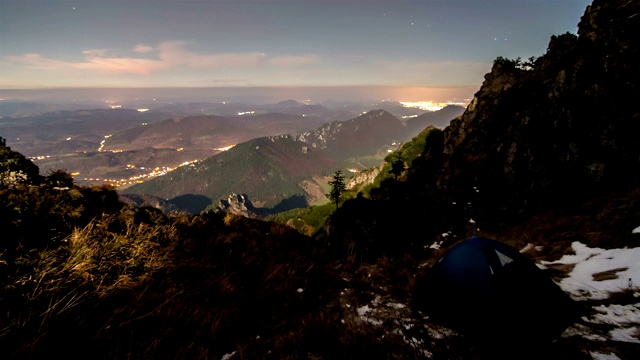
[{"x": 556, "y": 128}]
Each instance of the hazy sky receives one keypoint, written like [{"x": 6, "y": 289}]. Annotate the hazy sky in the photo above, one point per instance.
[{"x": 139, "y": 43}]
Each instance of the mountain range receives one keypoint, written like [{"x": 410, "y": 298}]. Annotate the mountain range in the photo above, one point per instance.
[
  {"x": 123, "y": 146},
  {"x": 271, "y": 171}
]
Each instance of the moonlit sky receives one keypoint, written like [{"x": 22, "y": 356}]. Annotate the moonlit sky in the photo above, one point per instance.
[{"x": 329, "y": 43}]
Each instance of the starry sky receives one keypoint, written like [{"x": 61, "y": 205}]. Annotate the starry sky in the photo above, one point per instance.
[{"x": 271, "y": 43}]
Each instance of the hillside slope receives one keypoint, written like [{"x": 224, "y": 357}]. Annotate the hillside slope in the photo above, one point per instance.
[
  {"x": 271, "y": 170},
  {"x": 366, "y": 134},
  {"x": 280, "y": 168}
]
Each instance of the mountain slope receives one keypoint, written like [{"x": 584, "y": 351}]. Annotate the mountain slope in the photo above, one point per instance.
[
  {"x": 210, "y": 131},
  {"x": 64, "y": 132},
  {"x": 189, "y": 132},
  {"x": 284, "y": 170},
  {"x": 270, "y": 170},
  {"x": 363, "y": 135}
]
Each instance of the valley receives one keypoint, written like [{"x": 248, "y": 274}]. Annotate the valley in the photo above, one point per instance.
[{"x": 127, "y": 148}]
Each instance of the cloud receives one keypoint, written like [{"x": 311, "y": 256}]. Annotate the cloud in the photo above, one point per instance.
[
  {"x": 121, "y": 65},
  {"x": 167, "y": 55},
  {"x": 141, "y": 48}
]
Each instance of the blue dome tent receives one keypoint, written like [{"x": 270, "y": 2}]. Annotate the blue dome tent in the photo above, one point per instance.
[{"x": 488, "y": 288}]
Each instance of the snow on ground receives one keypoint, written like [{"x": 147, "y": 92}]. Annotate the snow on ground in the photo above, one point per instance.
[
  {"x": 597, "y": 273},
  {"x": 228, "y": 356},
  {"x": 599, "y": 356},
  {"x": 621, "y": 265}
]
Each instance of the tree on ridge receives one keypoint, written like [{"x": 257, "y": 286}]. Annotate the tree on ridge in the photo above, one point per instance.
[{"x": 338, "y": 187}]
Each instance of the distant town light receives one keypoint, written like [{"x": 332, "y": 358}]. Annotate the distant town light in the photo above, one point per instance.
[
  {"x": 224, "y": 148},
  {"x": 429, "y": 105}
]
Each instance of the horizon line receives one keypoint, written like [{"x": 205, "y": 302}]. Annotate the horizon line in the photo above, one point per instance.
[{"x": 236, "y": 87}]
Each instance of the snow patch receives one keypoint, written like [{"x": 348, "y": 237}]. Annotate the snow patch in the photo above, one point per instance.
[
  {"x": 629, "y": 335},
  {"x": 228, "y": 356},
  {"x": 599, "y": 356},
  {"x": 617, "y": 314},
  {"x": 527, "y": 247},
  {"x": 363, "y": 310},
  {"x": 580, "y": 282},
  {"x": 636, "y": 230}
]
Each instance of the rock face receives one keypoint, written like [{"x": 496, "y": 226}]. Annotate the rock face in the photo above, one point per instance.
[
  {"x": 365, "y": 134},
  {"x": 554, "y": 128},
  {"x": 15, "y": 168},
  {"x": 364, "y": 177},
  {"x": 237, "y": 204}
]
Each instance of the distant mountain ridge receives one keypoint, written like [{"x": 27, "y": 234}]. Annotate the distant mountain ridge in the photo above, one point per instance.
[
  {"x": 189, "y": 132},
  {"x": 278, "y": 170},
  {"x": 365, "y": 134},
  {"x": 270, "y": 169}
]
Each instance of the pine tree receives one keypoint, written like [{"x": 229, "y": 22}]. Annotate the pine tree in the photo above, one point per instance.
[{"x": 338, "y": 187}]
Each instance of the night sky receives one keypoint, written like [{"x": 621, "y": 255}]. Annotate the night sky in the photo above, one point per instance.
[{"x": 50, "y": 44}]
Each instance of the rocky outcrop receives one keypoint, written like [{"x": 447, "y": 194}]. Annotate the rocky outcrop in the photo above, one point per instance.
[
  {"x": 237, "y": 204},
  {"x": 147, "y": 201},
  {"x": 15, "y": 169},
  {"x": 363, "y": 135},
  {"x": 555, "y": 128},
  {"x": 364, "y": 177}
]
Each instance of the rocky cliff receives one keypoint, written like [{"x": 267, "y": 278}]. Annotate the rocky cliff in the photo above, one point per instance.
[
  {"x": 364, "y": 177},
  {"x": 553, "y": 128},
  {"x": 540, "y": 135}
]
